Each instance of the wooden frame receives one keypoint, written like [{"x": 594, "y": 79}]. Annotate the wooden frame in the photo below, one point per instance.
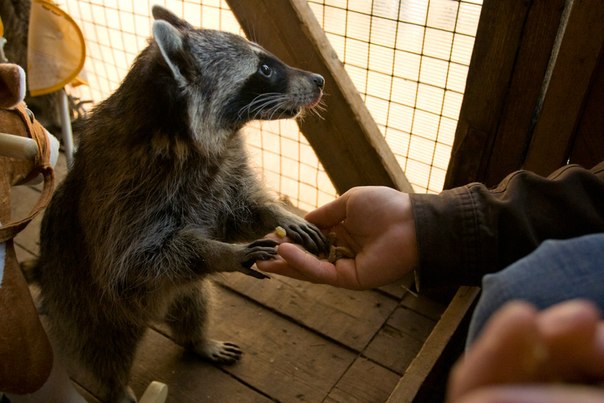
[
  {"x": 531, "y": 78},
  {"x": 575, "y": 69}
]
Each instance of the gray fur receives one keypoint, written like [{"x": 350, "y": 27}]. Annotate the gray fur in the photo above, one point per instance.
[
  {"x": 170, "y": 43},
  {"x": 161, "y": 195}
]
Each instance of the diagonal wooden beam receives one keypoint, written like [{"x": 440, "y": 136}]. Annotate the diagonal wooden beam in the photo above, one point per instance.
[{"x": 347, "y": 140}]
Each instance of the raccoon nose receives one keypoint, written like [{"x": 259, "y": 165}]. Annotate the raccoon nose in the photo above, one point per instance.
[{"x": 319, "y": 80}]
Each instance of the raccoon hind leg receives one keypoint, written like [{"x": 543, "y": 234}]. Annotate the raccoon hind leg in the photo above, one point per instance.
[
  {"x": 104, "y": 353},
  {"x": 188, "y": 320}
]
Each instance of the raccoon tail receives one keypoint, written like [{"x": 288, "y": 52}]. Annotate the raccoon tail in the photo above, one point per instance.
[{"x": 31, "y": 271}]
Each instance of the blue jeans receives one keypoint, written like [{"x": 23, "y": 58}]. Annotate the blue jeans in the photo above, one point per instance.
[{"x": 556, "y": 271}]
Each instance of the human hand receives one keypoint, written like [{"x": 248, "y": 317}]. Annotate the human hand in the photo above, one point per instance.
[
  {"x": 376, "y": 223},
  {"x": 522, "y": 355}
]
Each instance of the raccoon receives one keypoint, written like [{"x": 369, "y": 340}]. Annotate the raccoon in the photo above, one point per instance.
[{"x": 161, "y": 195}]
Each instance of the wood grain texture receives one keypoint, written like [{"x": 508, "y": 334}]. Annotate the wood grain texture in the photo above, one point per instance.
[
  {"x": 498, "y": 38},
  {"x": 513, "y": 131},
  {"x": 569, "y": 86}
]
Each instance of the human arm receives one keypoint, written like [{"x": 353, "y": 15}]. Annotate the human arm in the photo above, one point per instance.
[
  {"x": 452, "y": 238},
  {"x": 469, "y": 231}
]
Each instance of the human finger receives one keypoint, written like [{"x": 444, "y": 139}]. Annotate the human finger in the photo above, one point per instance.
[
  {"x": 509, "y": 350},
  {"x": 573, "y": 333},
  {"x": 537, "y": 393},
  {"x": 304, "y": 265},
  {"x": 342, "y": 273}
]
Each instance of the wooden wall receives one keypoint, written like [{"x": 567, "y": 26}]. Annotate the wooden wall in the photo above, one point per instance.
[{"x": 535, "y": 91}]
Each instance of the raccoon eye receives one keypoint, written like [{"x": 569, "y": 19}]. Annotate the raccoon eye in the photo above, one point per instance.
[{"x": 265, "y": 70}]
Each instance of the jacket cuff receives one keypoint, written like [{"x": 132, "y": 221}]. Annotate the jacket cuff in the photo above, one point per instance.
[{"x": 448, "y": 230}]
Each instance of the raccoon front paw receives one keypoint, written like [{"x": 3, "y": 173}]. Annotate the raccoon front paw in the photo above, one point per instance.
[
  {"x": 220, "y": 352},
  {"x": 262, "y": 249},
  {"x": 307, "y": 235}
]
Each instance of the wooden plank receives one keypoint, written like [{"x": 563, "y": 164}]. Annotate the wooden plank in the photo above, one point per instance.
[
  {"x": 588, "y": 146},
  {"x": 411, "y": 382},
  {"x": 424, "y": 305},
  {"x": 498, "y": 38},
  {"x": 569, "y": 85},
  {"x": 365, "y": 381},
  {"x": 347, "y": 140},
  {"x": 406, "y": 329},
  {"x": 524, "y": 92},
  {"x": 282, "y": 361},
  {"x": 399, "y": 288},
  {"x": 347, "y": 316},
  {"x": 189, "y": 379}
]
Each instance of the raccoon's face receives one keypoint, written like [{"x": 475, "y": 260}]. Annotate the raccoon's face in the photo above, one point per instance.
[
  {"x": 275, "y": 90},
  {"x": 229, "y": 80}
]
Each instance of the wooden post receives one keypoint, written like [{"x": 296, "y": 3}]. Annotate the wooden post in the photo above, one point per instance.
[
  {"x": 347, "y": 140},
  {"x": 498, "y": 38},
  {"x": 532, "y": 89},
  {"x": 571, "y": 80},
  {"x": 513, "y": 132},
  {"x": 588, "y": 147}
]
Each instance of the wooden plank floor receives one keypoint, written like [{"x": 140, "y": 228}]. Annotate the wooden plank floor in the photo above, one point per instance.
[{"x": 302, "y": 342}]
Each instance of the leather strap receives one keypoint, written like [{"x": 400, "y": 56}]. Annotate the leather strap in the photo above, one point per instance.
[{"x": 42, "y": 166}]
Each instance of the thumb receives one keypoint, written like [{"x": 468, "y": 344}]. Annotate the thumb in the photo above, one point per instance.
[{"x": 331, "y": 213}]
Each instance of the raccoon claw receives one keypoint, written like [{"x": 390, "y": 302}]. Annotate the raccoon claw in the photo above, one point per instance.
[
  {"x": 254, "y": 273},
  {"x": 309, "y": 236},
  {"x": 220, "y": 352},
  {"x": 263, "y": 242},
  {"x": 262, "y": 249}
]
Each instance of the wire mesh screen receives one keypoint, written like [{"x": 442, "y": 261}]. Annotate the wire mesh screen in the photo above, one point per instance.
[{"x": 407, "y": 58}]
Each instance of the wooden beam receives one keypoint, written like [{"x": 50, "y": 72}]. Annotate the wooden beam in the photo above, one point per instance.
[
  {"x": 525, "y": 89},
  {"x": 568, "y": 88},
  {"x": 588, "y": 147},
  {"x": 347, "y": 140},
  {"x": 498, "y": 38}
]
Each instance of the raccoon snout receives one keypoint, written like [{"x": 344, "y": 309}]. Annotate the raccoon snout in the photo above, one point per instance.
[{"x": 318, "y": 80}]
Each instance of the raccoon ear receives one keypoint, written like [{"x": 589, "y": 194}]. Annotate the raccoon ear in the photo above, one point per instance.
[
  {"x": 170, "y": 42},
  {"x": 160, "y": 13}
]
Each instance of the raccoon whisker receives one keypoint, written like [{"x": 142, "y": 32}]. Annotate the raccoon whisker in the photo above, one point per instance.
[
  {"x": 277, "y": 109},
  {"x": 276, "y": 99},
  {"x": 268, "y": 105},
  {"x": 318, "y": 109},
  {"x": 259, "y": 103}
]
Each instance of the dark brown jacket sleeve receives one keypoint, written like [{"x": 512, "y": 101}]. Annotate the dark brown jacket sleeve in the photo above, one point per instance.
[{"x": 469, "y": 231}]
